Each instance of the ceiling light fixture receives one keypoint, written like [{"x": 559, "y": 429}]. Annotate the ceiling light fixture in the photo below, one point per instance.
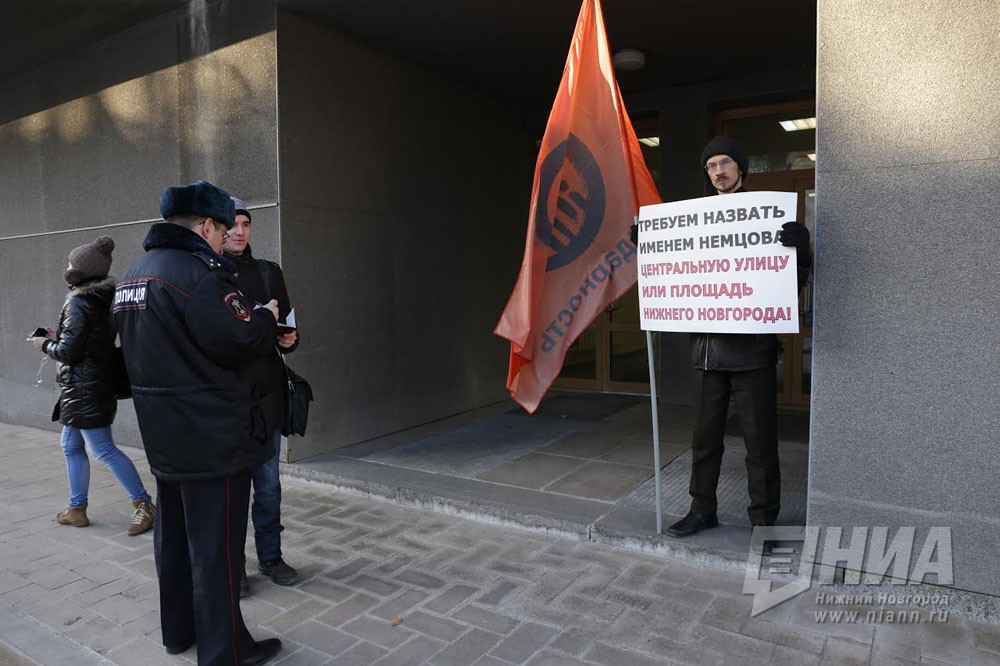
[
  {"x": 629, "y": 60},
  {"x": 798, "y": 124}
]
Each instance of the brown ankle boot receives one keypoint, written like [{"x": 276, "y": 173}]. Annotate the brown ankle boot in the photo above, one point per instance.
[
  {"x": 74, "y": 515},
  {"x": 143, "y": 516}
]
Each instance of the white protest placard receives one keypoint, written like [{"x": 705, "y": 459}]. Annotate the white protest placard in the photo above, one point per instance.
[{"x": 714, "y": 265}]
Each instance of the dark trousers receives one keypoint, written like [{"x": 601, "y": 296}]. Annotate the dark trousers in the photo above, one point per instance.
[
  {"x": 266, "y": 508},
  {"x": 756, "y": 407},
  {"x": 198, "y": 542}
]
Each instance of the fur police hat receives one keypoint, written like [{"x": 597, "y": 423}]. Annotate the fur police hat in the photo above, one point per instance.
[
  {"x": 90, "y": 261},
  {"x": 201, "y": 198},
  {"x": 241, "y": 208},
  {"x": 724, "y": 145}
]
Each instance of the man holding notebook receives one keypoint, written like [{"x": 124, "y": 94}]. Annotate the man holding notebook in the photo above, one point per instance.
[{"x": 260, "y": 281}]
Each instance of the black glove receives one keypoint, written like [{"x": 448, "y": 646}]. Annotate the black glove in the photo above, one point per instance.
[
  {"x": 633, "y": 233},
  {"x": 794, "y": 234}
]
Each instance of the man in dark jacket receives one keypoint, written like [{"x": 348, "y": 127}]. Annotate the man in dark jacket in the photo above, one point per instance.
[
  {"x": 188, "y": 336},
  {"x": 741, "y": 366},
  {"x": 261, "y": 280}
]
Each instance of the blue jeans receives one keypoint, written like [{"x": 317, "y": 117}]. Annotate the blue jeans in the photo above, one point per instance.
[
  {"x": 266, "y": 508},
  {"x": 74, "y": 445}
]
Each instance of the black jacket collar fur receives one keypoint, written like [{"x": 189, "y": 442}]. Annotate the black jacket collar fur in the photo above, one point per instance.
[{"x": 174, "y": 236}]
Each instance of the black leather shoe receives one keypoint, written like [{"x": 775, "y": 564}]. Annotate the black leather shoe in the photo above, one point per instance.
[
  {"x": 692, "y": 523},
  {"x": 280, "y": 573},
  {"x": 261, "y": 653},
  {"x": 244, "y": 586},
  {"x": 178, "y": 649}
]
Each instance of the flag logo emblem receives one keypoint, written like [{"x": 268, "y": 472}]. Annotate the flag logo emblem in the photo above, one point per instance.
[{"x": 571, "y": 201}]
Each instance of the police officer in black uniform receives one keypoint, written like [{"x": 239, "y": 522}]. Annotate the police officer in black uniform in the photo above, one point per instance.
[{"x": 189, "y": 336}]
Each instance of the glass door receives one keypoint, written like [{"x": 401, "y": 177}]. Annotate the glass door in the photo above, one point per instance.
[{"x": 780, "y": 141}]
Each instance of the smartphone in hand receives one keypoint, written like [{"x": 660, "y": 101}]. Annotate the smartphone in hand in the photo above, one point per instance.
[{"x": 40, "y": 332}]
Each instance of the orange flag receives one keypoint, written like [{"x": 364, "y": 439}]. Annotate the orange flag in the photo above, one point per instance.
[{"x": 590, "y": 180}]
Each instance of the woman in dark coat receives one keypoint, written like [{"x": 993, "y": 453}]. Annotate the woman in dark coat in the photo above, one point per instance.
[{"x": 84, "y": 346}]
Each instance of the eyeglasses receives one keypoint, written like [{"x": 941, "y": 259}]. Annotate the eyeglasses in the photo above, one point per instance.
[
  {"x": 721, "y": 164},
  {"x": 219, "y": 226}
]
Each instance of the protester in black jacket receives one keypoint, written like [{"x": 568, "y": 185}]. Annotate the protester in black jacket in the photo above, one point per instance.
[
  {"x": 741, "y": 366},
  {"x": 189, "y": 337},
  {"x": 84, "y": 345}
]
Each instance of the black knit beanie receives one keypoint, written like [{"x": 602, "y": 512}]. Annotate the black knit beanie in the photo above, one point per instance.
[
  {"x": 90, "y": 261},
  {"x": 724, "y": 145}
]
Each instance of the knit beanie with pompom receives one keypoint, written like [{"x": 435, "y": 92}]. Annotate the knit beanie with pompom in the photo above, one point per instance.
[{"x": 90, "y": 261}]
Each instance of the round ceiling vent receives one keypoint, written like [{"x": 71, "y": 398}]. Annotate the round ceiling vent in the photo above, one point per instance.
[{"x": 629, "y": 60}]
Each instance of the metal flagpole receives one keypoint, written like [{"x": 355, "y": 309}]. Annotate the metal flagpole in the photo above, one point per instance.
[{"x": 656, "y": 433}]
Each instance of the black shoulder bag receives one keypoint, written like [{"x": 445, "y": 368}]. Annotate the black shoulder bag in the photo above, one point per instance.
[{"x": 298, "y": 393}]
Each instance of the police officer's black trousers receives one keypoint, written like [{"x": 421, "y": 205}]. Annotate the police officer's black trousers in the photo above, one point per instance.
[
  {"x": 199, "y": 539},
  {"x": 756, "y": 406}
]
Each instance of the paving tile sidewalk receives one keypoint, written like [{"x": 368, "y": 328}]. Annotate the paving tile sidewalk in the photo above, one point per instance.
[{"x": 388, "y": 584}]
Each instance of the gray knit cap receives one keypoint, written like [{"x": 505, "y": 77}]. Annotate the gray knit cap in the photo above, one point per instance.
[{"x": 241, "y": 208}]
